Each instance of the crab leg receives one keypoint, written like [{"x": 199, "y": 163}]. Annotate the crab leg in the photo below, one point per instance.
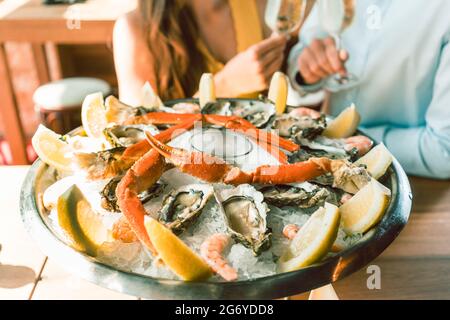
[
  {"x": 274, "y": 151},
  {"x": 143, "y": 146},
  {"x": 212, "y": 169},
  {"x": 198, "y": 164},
  {"x": 160, "y": 118},
  {"x": 145, "y": 172},
  {"x": 290, "y": 173},
  {"x": 243, "y": 126},
  {"x": 230, "y": 122}
]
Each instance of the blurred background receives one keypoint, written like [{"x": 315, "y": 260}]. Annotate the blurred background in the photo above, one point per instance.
[{"x": 42, "y": 43}]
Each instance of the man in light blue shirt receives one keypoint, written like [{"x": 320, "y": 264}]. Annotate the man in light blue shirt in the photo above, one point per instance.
[{"x": 400, "y": 51}]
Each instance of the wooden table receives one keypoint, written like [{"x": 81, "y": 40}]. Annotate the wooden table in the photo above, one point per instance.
[
  {"x": 415, "y": 266},
  {"x": 30, "y": 21}
]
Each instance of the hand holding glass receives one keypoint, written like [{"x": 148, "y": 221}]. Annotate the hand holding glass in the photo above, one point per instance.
[{"x": 335, "y": 16}]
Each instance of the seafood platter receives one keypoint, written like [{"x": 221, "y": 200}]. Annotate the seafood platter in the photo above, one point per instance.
[{"x": 213, "y": 198}]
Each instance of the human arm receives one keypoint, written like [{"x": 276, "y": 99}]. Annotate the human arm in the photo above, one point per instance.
[
  {"x": 425, "y": 150},
  {"x": 132, "y": 58},
  {"x": 252, "y": 69}
]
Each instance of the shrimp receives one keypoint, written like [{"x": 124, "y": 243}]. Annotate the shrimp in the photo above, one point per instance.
[
  {"x": 122, "y": 231},
  {"x": 302, "y": 112},
  {"x": 184, "y": 107},
  {"x": 211, "y": 250},
  {"x": 361, "y": 143},
  {"x": 290, "y": 231}
]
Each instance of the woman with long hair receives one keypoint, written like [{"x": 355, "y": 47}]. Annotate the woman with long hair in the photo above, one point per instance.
[{"x": 170, "y": 43}]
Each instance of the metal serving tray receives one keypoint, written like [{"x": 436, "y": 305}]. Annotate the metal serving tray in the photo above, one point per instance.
[{"x": 271, "y": 287}]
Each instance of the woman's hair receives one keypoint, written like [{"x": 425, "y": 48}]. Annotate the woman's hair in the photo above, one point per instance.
[{"x": 172, "y": 34}]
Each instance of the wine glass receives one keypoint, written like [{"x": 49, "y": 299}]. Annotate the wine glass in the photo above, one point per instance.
[
  {"x": 285, "y": 16},
  {"x": 335, "y": 16}
]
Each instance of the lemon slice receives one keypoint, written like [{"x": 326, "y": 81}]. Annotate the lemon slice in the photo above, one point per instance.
[
  {"x": 176, "y": 254},
  {"x": 344, "y": 125},
  {"x": 82, "y": 225},
  {"x": 377, "y": 161},
  {"x": 366, "y": 208},
  {"x": 207, "y": 89},
  {"x": 51, "y": 149},
  {"x": 278, "y": 91},
  {"x": 313, "y": 241},
  {"x": 149, "y": 98},
  {"x": 93, "y": 115}
]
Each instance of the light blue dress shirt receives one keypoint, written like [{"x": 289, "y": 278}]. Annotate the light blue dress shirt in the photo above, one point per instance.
[{"x": 400, "y": 51}]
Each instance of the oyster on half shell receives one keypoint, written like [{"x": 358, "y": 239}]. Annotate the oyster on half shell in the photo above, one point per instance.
[
  {"x": 109, "y": 198},
  {"x": 304, "y": 127},
  {"x": 246, "y": 216},
  {"x": 126, "y": 135},
  {"x": 182, "y": 206},
  {"x": 298, "y": 196},
  {"x": 259, "y": 112},
  {"x": 331, "y": 148}
]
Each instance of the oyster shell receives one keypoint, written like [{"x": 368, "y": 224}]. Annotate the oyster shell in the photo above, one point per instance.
[
  {"x": 103, "y": 164},
  {"x": 345, "y": 176},
  {"x": 322, "y": 147},
  {"x": 126, "y": 135},
  {"x": 349, "y": 177},
  {"x": 331, "y": 148},
  {"x": 186, "y": 107},
  {"x": 180, "y": 208},
  {"x": 109, "y": 199},
  {"x": 259, "y": 113},
  {"x": 303, "y": 197},
  {"x": 246, "y": 216},
  {"x": 219, "y": 107},
  {"x": 305, "y": 127},
  {"x": 119, "y": 112}
]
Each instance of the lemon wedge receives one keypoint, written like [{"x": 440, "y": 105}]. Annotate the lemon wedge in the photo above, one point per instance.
[
  {"x": 51, "y": 149},
  {"x": 313, "y": 241},
  {"x": 207, "y": 89},
  {"x": 53, "y": 192},
  {"x": 149, "y": 98},
  {"x": 278, "y": 91},
  {"x": 93, "y": 115},
  {"x": 377, "y": 161},
  {"x": 365, "y": 208},
  {"x": 175, "y": 253},
  {"x": 81, "y": 224},
  {"x": 344, "y": 125}
]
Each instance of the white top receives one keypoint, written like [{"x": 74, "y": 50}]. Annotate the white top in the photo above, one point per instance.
[{"x": 68, "y": 92}]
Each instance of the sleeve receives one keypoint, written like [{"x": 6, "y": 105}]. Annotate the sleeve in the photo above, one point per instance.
[
  {"x": 308, "y": 32},
  {"x": 425, "y": 151}
]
